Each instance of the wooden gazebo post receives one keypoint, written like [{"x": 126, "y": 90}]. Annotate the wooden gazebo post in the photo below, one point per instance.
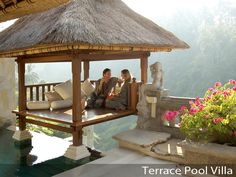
[
  {"x": 76, "y": 150},
  {"x": 22, "y": 134},
  {"x": 86, "y": 70},
  {"x": 144, "y": 69}
]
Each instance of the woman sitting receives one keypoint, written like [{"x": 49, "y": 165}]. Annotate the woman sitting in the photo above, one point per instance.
[{"x": 120, "y": 101}]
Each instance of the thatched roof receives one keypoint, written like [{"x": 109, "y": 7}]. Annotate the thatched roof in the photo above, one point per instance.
[
  {"x": 86, "y": 24},
  {"x": 11, "y": 9}
]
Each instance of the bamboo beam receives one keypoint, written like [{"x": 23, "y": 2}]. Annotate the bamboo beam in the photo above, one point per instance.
[
  {"x": 86, "y": 70},
  {"x": 48, "y": 59},
  {"x": 115, "y": 56},
  {"x": 86, "y": 57},
  {"x": 144, "y": 69},
  {"x": 76, "y": 108},
  {"x": 45, "y": 49},
  {"x": 22, "y": 93}
]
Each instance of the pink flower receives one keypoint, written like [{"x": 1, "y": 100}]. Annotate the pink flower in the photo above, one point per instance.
[
  {"x": 226, "y": 94},
  {"x": 192, "y": 103},
  {"x": 200, "y": 106},
  {"x": 208, "y": 98},
  {"x": 197, "y": 102},
  {"x": 211, "y": 89},
  {"x": 217, "y": 84},
  {"x": 217, "y": 120},
  {"x": 193, "y": 111},
  {"x": 214, "y": 92},
  {"x": 182, "y": 109},
  {"x": 170, "y": 115},
  {"x": 233, "y": 82},
  {"x": 234, "y": 88}
]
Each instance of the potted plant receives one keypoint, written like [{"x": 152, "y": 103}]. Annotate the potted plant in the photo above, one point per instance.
[
  {"x": 211, "y": 119},
  {"x": 212, "y": 122}
]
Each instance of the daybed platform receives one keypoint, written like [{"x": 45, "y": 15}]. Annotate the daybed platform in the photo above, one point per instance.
[
  {"x": 63, "y": 119},
  {"x": 64, "y": 116}
]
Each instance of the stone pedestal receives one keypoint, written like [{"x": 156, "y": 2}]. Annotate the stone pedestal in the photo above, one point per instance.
[
  {"x": 77, "y": 152},
  {"x": 22, "y": 138},
  {"x": 148, "y": 111},
  {"x": 22, "y": 135}
]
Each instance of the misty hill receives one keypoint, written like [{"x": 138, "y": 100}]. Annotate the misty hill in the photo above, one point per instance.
[{"x": 211, "y": 33}]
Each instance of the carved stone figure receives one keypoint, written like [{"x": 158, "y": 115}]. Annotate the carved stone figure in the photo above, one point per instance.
[{"x": 157, "y": 75}]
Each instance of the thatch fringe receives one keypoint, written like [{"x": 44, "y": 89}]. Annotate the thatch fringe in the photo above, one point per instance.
[{"x": 11, "y": 9}]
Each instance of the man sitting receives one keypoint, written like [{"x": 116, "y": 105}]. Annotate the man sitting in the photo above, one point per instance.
[{"x": 104, "y": 86}]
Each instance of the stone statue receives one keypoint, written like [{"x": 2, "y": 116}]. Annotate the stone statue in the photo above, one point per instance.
[{"x": 157, "y": 75}]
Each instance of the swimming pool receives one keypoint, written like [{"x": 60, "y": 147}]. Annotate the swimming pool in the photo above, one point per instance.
[{"x": 43, "y": 157}]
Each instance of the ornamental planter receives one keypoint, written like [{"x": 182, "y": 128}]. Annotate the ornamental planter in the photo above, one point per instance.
[
  {"x": 210, "y": 153},
  {"x": 211, "y": 158}
]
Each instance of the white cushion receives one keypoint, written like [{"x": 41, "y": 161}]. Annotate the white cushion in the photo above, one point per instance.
[
  {"x": 53, "y": 96},
  {"x": 60, "y": 104},
  {"x": 64, "y": 90},
  {"x": 87, "y": 87},
  {"x": 83, "y": 94},
  {"x": 38, "y": 105}
]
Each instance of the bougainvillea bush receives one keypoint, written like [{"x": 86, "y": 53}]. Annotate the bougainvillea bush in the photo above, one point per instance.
[{"x": 212, "y": 118}]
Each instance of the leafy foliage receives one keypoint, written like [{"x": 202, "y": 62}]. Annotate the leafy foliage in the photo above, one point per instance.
[{"x": 212, "y": 118}]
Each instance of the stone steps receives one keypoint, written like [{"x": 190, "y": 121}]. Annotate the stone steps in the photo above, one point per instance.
[
  {"x": 151, "y": 143},
  {"x": 170, "y": 147},
  {"x": 142, "y": 138}
]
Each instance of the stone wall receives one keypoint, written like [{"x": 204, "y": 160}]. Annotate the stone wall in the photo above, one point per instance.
[
  {"x": 162, "y": 102},
  {"x": 7, "y": 90}
]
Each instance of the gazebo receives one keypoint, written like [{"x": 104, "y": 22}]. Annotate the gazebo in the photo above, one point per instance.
[
  {"x": 11, "y": 9},
  {"x": 79, "y": 32}
]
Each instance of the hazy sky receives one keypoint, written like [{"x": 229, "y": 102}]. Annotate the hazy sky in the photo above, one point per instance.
[{"x": 156, "y": 8}]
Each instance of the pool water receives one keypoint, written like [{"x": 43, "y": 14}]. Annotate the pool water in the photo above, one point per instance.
[{"x": 43, "y": 157}]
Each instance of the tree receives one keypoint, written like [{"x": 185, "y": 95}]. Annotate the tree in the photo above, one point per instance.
[{"x": 31, "y": 77}]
